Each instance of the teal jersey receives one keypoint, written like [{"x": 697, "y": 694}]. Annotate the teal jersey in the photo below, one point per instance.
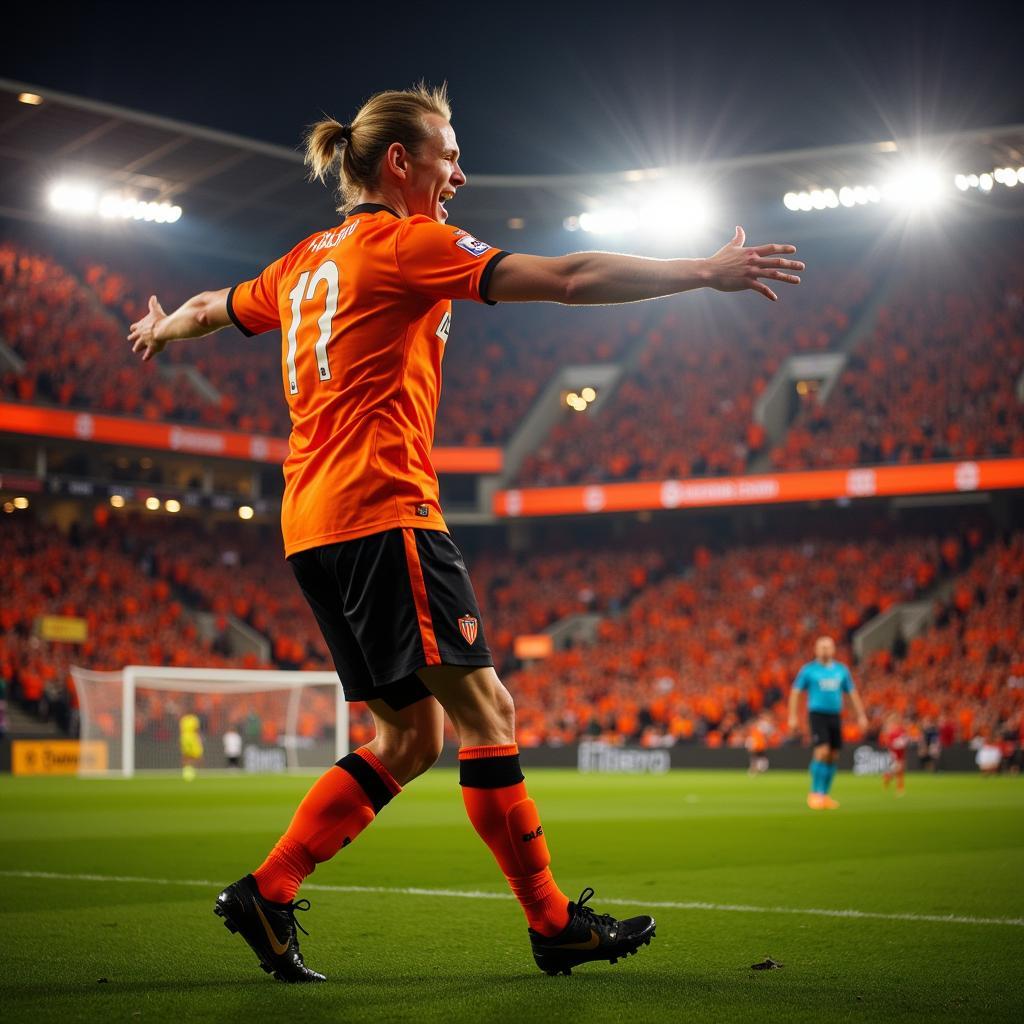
[{"x": 825, "y": 685}]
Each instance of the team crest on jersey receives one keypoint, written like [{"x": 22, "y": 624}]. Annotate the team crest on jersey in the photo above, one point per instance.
[
  {"x": 468, "y": 628},
  {"x": 472, "y": 245}
]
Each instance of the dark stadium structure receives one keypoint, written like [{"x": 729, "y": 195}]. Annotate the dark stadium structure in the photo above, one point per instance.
[{"x": 662, "y": 505}]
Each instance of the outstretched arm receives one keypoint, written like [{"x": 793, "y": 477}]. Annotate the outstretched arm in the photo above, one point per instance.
[
  {"x": 202, "y": 314},
  {"x": 598, "y": 278}
]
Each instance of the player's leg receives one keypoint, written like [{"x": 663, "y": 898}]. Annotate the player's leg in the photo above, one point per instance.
[
  {"x": 835, "y": 744},
  {"x": 337, "y": 808},
  {"x": 350, "y": 795},
  {"x": 819, "y": 760},
  {"x": 563, "y": 934},
  {"x": 901, "y": 771}
]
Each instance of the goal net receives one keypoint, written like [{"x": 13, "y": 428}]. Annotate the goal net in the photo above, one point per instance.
[{"x": 255, "y": 721}]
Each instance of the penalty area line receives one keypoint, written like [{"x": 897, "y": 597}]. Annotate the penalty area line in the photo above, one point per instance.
[{"x": 478, "y": 894}]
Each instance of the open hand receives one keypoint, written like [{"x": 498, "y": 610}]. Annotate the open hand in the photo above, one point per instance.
[
  {"x": 142, "y": 332},
  {"x": 735, "y": 268}
]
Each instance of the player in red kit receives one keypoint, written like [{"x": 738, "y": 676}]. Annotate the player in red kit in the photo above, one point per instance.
[{"x": 895, "y": 739}]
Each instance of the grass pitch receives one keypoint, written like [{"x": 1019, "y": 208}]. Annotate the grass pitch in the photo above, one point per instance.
[{"x": 742, "y": 859}]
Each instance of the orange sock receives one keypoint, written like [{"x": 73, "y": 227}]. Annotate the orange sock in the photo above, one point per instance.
[
  {"x": 506, "y": 819},
  {"x": 341, "y": 803}
]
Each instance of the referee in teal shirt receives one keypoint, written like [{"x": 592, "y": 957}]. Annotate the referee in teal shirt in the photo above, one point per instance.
[{"x": 825, "y": 680}]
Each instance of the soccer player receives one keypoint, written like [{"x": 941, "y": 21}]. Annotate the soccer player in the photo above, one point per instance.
[
  {"x": 191, "y": 745},
  {"x": 825, "y": 680},
  {"x": 895, "y": 740},
  {"x": 364, "y": 310}
]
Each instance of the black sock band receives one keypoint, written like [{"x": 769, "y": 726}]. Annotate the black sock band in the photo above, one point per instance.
[
  {"x": 369, "y": 781},
  {"x": 490, "y": 772}
]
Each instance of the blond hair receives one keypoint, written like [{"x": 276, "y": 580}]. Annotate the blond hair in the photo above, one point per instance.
[{"x": 355, "y": 151}]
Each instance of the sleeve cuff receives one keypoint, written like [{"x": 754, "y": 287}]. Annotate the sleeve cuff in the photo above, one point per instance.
[
  {"x": 234, "y": 319},
  {"x": 485, "y": 278}
]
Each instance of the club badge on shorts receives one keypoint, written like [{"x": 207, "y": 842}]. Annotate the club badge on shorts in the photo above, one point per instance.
[{"x": 468, "y": 628}]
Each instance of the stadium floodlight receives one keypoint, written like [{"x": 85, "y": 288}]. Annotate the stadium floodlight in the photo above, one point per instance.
[
  {"x": 246, "y": 512},
  {"x": 79, "y": 198},
  {"x": 985, "y": 182},
  {"x": 588, "y": 394},
  {"x": 916, "y": 186},
  {"x": 172, "y": 505},
  {"x": 675, "y": 210},
  {"x": 610, "y": 220},
  {"x": 791, "y": 201},
  {"x": 962, "y": 182},
  {"x": 152, "y": 503},
  {"x": 1005, "y": 176},
  {"x": 73, "y": 197},
  {"x": 846, "y": 196}
]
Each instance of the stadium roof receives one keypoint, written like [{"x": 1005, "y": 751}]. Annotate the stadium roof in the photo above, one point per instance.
[{"x": 249, "y": 199}]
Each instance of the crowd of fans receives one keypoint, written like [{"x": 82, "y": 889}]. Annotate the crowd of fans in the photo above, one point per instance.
[
  {"x": 937, "y": 379},
  {"x": 963, "y": 679},
  {"x": 696, "y": 647},
  {"x": 686, "y": 408},
  {"x": 703, "y": 654},
  {"x": 67, "y": 322},
  {"x": 106, "y": 578}
]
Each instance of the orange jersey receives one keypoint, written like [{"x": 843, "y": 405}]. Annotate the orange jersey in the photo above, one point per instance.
[{"x": 364, "y": 311}]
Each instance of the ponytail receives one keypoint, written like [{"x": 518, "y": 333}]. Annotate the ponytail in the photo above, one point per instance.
[{"x": 324, "y": 141}]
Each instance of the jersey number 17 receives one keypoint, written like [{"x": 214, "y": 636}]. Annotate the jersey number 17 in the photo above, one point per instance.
[{"x": 305, "y": 289}]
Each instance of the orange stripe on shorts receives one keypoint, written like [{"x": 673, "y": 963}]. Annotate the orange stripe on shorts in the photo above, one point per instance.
[{"x": 419, "y": 596}]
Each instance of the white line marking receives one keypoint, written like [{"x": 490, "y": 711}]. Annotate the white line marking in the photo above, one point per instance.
[{"x": 477, "y": 894}]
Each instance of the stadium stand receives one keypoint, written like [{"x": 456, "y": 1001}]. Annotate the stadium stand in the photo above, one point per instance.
[
  {"x": 686, "y": 408},
  {"x": 700, "y": 655},
  {"x": 696, "y": 646},
  {"x": 937, "y": 379},
  {"x": 105, "y": 577},
  {"x": 963, "y": 679}
]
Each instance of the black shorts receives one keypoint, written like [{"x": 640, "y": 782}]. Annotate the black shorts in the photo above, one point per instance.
[
  {"x": 826, "y": 728},
  {"x": 390, "y": 604}
]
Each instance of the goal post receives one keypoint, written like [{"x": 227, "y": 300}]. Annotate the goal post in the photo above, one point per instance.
[{"x": 285, "y": 721}]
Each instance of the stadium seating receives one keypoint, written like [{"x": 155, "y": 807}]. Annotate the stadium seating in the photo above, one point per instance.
[
  {"x": 695, "y": 648},
  {"x": 965, "y": 675},
  {"x": 700, "y": 656},
  {"x": 104, "y": 577},
  {"x": 687, "y": 407},
  {"x": 937, "y": 379}
]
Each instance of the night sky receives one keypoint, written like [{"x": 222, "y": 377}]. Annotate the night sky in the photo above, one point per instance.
[{"x": 547, "y": 87}]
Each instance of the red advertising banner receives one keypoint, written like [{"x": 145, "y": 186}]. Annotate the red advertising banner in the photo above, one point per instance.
[
  {"x": 40, "y": 421},
  {"x": 812, "y": 485}
]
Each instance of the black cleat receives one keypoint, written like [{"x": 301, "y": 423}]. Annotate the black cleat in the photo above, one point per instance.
[
  {"x": 269, "y": 928},
  {"x": 590, "y": 936}
]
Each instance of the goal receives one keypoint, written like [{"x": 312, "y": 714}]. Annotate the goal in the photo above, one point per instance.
[{"x": 287, "y": 721}]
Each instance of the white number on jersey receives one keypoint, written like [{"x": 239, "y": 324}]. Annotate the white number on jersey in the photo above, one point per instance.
[{"x": 305, "y": 289}]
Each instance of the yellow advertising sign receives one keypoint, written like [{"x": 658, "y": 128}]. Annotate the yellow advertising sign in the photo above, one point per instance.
[
  {"x": 57, "y": 757},
  {"x": 67, "y": 629}
]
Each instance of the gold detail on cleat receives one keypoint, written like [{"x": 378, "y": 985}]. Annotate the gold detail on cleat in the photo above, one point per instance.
[
  {"x": 280, "y": 948},
  {"x": 591, "y": 943}
]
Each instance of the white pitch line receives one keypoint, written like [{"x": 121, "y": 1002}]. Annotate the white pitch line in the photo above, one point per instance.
[{"x": 477, "y": 894}]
